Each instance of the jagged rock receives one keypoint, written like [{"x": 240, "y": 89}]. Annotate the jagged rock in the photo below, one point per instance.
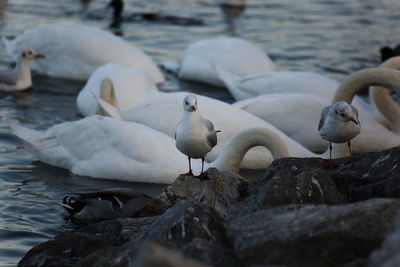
[
  {"x": 388, "y": 254},
  {"x": 312, "y": 235},
  {"x": 68, "y": 248},
  {"x": 196, "y": 230},
  {"x": 221, "y": 192},
  {"x": 310, "y": 180},
  {"x": 149, "y": 254}
]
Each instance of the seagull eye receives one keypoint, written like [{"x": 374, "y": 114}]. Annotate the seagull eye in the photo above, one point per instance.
[
  {"x": 29, "y": 52},
  {"x": 187, "y": 103},
  {"x": 341, "y": 114},
  {"x": 336, "y": 112}
]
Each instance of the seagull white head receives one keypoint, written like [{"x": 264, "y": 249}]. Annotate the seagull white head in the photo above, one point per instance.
[
  {"x": 29, "y": 54},
  {"x": 190, "y": 103},
  {"x": 344, "y": 112}
]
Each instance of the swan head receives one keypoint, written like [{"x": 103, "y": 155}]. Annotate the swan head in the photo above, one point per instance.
[
  {"x": 190, "y": 103},
  {"x": 118, "y": 6},
  {"x": 345, "y": 112},
  {"x": 29, "y": 54}
]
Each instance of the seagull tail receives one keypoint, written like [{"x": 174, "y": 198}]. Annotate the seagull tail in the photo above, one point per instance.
[
  {"x": 107, "y": 109},
  {"x": 230, "y": 79}
]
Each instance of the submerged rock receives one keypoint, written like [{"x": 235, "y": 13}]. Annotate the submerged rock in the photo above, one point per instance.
[
  {"x": 312, "y": 235},
  {"x": 150, "y": 254},
  {"x": 67, "y": 248}
]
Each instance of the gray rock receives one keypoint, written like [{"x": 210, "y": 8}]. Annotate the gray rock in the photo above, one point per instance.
[
  {"x": 313, "y": 235},
  {"x": 310, "y": 180},
  {"x": 196, "y": 230},
  {"x": 222, "y": 192},
  {"x": 388, "y": 254},
  {"x": 149, "y": 254},
  {"x": 68, "y": 248}
]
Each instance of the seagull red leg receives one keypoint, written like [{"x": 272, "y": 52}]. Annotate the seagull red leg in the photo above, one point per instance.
[
  {"x": 189, "y": 173},
  {"x": 203, "y": 176}
]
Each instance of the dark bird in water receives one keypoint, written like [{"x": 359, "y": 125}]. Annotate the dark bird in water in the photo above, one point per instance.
[{"x": 118, "y": 6}]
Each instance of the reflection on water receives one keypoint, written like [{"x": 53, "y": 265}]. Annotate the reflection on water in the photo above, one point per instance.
[{"x": 329, "y": 37}]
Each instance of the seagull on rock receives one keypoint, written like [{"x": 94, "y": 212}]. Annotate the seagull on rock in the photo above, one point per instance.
[
  {"x": 194, "y": 136},
  {"x": 339, "y": 124},
  {"x": 20, "y": 77}
]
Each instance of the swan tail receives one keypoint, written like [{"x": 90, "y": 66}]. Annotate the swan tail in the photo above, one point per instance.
[
  {"x": 230, "y": 80},
  {"x": 30, "y": 137},
  {"x": 107, "y": 109}
]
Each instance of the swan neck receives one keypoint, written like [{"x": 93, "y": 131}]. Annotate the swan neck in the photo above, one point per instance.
[
  {"x": 107, "y": 93},
  {"x": 381, "y": 99},
  {"x": 236, "y": 148},
  {"x": 365, "y": 78}
]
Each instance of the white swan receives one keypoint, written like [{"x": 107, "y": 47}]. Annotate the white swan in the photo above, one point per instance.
[
  {"x": 298, "y": 114},
  {"x": 103, "y": 147},
  {"x": 236, "y": 55},
  {"x": 74, "y": 51},
  {"x": 20, "y": 77},
  {"x": 120, "y": 85},
  {"x": 380, "y": 97},
  {"x": 163, "y": 111},
  {"x": 289, "y": 82}
]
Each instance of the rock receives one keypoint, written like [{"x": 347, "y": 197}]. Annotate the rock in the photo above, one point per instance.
[
  {"x": 310, "y": 180},
  {"x": 221, "y": 192},
  {"x": 196, "y": 230},
  {"x": 388, "y": 254},
  {"x": 149, "y": 254},
  {"x": 68, "y": 248},
  {"x": 312, "y": 235}
]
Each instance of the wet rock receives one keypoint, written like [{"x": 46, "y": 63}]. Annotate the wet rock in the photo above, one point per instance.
[
  {"x": 310, "y": 180},
  {"x": 149, "y": 254},
  {"x": 68, "y": 248},
  {"x": 196, "y": 230},
  {"x": 222, "y": 192},
  {"x": 388, "y": 254},
  {"x": 313, "y": 235}
]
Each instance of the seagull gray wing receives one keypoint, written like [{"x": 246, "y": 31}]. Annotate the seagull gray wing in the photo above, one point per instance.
[
  {"x": 212, "y": 134},
  {"x": 324, "y": 113}
]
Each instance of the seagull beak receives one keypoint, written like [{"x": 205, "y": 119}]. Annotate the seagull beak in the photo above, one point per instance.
[
  {"x": 193, "y": 108},
  {"x": 354, "y": 120},
  {"x": 39, "y": 56}
]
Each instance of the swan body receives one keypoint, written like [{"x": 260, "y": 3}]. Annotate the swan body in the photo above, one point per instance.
[
  {"x": 105, "y": 204},
  {"x": 74, "y": 51},
  {"x": 227, "y": 118},
  {"x": 103, "y": 147},
  {"x": 236, "y": 55},
  {"x": 20, "y": 78},
  {"x": 289, "y": 82},
  {"x": 118, "y": 84},
  {"x": 298, "y": 114}
]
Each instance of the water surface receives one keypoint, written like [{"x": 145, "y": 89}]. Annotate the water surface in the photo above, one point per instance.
[{"x": 333, "y": 38}]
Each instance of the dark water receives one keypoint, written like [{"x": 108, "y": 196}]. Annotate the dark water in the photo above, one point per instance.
[{"x": 329, "y": 37}]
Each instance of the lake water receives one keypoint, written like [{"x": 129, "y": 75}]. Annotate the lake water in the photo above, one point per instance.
[{"x": 331, "y": 37}]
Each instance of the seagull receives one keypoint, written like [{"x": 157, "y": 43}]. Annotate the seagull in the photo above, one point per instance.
[
  {"x": 194, "y": 136},
  {"x": 20, "y": 77},
  {"x": 338, "y": 124}
]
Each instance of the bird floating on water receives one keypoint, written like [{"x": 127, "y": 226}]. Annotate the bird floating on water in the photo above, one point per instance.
[
  {"x": 194, "y": 135},
  {"x": 339, "y": 123},
  {"x": 20, "y": 78},
  {"x": 106, "y": 204}
]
